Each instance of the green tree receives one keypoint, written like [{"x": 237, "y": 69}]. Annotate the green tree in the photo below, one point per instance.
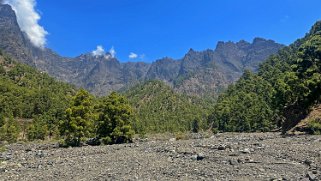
[
  {"x": 195, "y": 126},
  {"x": 308, "y": 68},
  {"x": 38, "y": 130},
  {"x": 10, "y": 130},
  {"x": 115, "y": 120},
  {"x": 78, "y": 123}
]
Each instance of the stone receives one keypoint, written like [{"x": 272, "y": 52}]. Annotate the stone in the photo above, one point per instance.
[
  {"x": 308, "y": 162},
  {"x": 233, "y": 162},
  {"x": 200, "y": 156},
  {"x": 124, "y": 162},
  {"x": 246, "y": 151},
  {"x": 221, "y": 147},
  {"x": 194, "y": 157},
  {"x": 240, "y": 160},
  {"x": 311, "y": 176},
  {"x": 40, "y": 154}
]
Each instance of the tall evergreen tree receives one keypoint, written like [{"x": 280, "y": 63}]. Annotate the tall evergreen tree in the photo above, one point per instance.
[
  {"x": 79, "y": 118},
  {"x": 115, "y": 120}
]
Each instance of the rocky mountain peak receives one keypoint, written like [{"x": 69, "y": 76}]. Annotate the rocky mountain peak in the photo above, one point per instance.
[
  {"x": 259, "y": 41},
  {"x": 221, "y": 45},
  {"x": 243, "y": 44},
  {"x": 7, "y": 11},
  {"x": 95, "y": 58}
]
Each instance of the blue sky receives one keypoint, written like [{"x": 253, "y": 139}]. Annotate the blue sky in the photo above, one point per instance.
[{"x": 153, "y": 29}]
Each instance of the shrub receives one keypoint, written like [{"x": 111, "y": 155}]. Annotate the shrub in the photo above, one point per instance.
[
  {"x": 106, "y": 140},
  {"x": 314, "y": 127},
  {"x": 38, "y": 130}
]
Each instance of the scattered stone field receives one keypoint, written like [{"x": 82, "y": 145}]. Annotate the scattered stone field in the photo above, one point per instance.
[{"x": 227, "y": 156}]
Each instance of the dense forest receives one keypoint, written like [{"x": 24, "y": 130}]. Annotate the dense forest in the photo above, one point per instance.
[
  {"x": 28, "y": 96},
  {"x": 160, "y": 109},
  {"x": 283, "y": 91},
  {"x": 35, "y": 106}
]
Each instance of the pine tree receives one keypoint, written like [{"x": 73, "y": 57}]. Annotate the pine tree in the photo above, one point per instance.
[
  {"x": 78, "y": 123},
  {"x": 10, "y": 130},
  {"x": 115, "y": 119}
]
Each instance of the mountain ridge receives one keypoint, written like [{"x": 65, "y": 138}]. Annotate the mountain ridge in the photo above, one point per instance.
[{"x": 197, "y": 73}]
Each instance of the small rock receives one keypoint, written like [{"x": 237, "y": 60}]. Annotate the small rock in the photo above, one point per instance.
[
  {"x": 233, "y": 162},
  {"x": 194, "y": 157},
  {"x": 3, "y": 170},
  {"x": 261, "y": 169},
  {"x": 221, "y": 147},
  {"x": 308, "y": 162},
  {"x": 172, "y": 139},
  {"x": 258, "y": 144},
  {"x": 200, "y": 156},
  {"x": 246, "y": 151},
  {"x": 311, "y": 176},
  {"x": 40, "y": 154},
  {"x": 249, "y": 160},
  {"x": 29, "y": 149},
  {"x": 234, "y": 154},
  {"x": 305, "y": 179},
  {"x": 240, "y": 160}
]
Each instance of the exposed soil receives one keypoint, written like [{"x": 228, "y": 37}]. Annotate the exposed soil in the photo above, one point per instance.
[
  {"x": 302, "y": 126},
  {"x": 228, "y": 156}
]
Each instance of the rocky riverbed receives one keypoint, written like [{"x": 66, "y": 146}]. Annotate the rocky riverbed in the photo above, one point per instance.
[{"x": 228, "y": 156}]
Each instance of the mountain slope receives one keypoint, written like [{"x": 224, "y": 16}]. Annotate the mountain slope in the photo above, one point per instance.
[
  {"x": 160, "y": 109},
  {"x": 197, "y": 73},
  {"x": 281, "y": 94},
  {"x": 26, "y": 92},
  {"x": 31, "y": 102}
]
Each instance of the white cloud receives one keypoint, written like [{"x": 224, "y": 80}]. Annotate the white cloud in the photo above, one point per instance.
[
  {"x": 99, "y": 51},
  {"x": 112, "y": 52},
  {"x": 132, "y": 55},
  {"x": 28, "y": 19}
]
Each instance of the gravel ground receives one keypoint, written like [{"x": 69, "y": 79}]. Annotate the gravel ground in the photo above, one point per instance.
[{"x": 228, "y": 156}]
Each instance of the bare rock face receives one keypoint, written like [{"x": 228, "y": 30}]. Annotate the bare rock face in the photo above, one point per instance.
[
  {"x": 197, "y": 73},
  {"x": 12, "y": 40}
]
